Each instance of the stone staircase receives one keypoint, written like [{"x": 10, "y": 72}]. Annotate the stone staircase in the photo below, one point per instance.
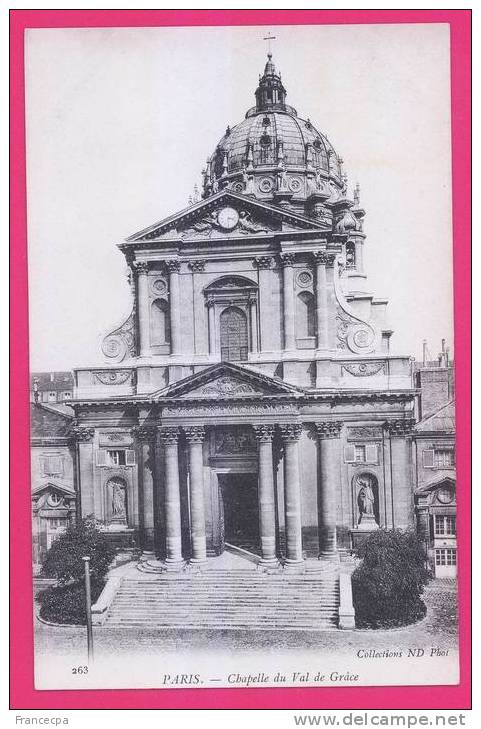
[{"x": 228, "y": 599}]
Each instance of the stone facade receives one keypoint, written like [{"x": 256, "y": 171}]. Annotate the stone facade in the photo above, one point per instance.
[
  {"x": 250, "y": 397},
  {"x": 52, "y": 477},
  {"x": 434, "y": 454}
]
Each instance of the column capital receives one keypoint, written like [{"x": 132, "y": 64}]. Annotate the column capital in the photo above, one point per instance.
[
  {"x": 82, "y": 435},
  {"x": 324, "y": 258},
  {"x": 194, "y": 433},
  {"x": 287, "y": 259},
  {"x": 172, "y": 265},
  {"x": 169, "y": 435},
  {"x": 263, "y": 262},
  {"x": 329, "y": 428},
  {"x": 144, "y": 433},
  {"x": 264, "y": 432},
  {"x": 141, "y": 267},
  {"x": 400, "y": 427},
  {"x": 291, "y": 431},
  {"x": 197, "y": 266}
]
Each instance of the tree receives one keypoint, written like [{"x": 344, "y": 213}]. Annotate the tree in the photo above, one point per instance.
[
  {"x": 84, "y": 539},
  {"x": 388, "y": 584}
]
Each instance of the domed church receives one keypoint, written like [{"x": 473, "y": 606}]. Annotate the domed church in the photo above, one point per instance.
[{"x": 250, "y": 400}]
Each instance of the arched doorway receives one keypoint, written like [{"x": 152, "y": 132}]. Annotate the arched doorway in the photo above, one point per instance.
[{"x": 234, "y": 338}]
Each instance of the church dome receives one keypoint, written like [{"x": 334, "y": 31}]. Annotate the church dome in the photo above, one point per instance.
[{"x": 273, "y": 152}]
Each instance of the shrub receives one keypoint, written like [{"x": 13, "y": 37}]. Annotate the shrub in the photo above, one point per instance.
[
  {"x": 66, "y": 603},
  {"x": 84, "y": 539},
  {"x": 388, "y": 584}
]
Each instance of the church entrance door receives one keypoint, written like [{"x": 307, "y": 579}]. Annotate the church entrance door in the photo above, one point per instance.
[
  {"x": 234, "y": 342},
  {"x": 240, "y": 510}
]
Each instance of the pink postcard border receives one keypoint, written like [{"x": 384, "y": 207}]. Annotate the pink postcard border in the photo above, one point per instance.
[{"x": 23, "y": 694}]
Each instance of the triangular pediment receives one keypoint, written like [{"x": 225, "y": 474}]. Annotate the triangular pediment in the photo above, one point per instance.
[
  {"x": 441, "y": 421},
  {"x": 227, "y": 380},
  {"x": 226, "y": 214},
  {"x": 62, "y": 489}
]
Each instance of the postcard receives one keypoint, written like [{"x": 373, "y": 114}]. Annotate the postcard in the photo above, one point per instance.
[{"x": 242, "y": 366}]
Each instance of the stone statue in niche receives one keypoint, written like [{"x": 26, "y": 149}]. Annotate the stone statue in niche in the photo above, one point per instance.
[
  {"x": 117, "y": 498},
  {"x": 366, "y": 501}
]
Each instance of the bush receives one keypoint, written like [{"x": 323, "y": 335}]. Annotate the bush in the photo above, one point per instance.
[
  {"x": 66, "y": 603},
  {"x": 84, "y": 539},
  {"x": 388, "y": 584}
]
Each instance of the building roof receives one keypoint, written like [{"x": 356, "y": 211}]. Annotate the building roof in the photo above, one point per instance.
[
  {"x": 49, "y": 422},
  {"x": 52, "y": 381},
  {"x": 441, "y": 421}
]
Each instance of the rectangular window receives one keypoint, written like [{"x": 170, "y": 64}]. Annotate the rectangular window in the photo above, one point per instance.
[
  {"x": 443, "y": 457},
  {"x": 52, "y": 465},
  {"x": 444, "y": 525},
  {"x": 360, "y": 453},
  {"x": 445, "y": 557},
  {"x": 116, "y": 458},
  {"x": 438, "y": 458}
]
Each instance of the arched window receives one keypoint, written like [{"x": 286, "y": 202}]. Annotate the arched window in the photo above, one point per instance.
[
  {"x": 159, "y": 322},
  {"x": 350, "y": 255},
  {"x": 234, "y": 342},
  {"x": 305, "y": 315}
]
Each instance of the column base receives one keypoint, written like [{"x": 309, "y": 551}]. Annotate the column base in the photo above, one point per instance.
[
  {"x": 331, "y": 556},
  {"x": 295, "y": 566},
  {"x": 269, "y": 565},
  {"x": 174, "y": 565},
  {"x": 146, "y": 555}
]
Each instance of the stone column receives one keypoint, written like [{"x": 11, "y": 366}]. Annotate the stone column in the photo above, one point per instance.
[
  {"x": 291, "y": 433},
  {"x": 173, "y": 532},
  {"x": 267, "y": 509},
  {"x": 146, "y": 438},
  {"x": 197, "y": 267},
  {"x": 322, "y": 259},
  {"x": 253, "y": 324},
  {"x": 287, "y": 261},
  {"x": 85, "y": 484},
  {"x": 142, "y": 268},
  {"x": 401, "y": 472},
  {"x": 328, "y": 433},
  {"x": 212, "y": 338},
  {"x": 195, "y": 438},
  {"x": 173, "y": 267},
  {"x": 264, "y": 309}
]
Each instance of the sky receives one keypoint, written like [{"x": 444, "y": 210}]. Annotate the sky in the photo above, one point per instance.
[{"x": 120, "y": 122}]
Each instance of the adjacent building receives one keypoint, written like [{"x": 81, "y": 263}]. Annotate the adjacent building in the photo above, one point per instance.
[
  {"x": 52, "y": 477},
  {"x": 51, "y": 387},
  {"x": 435, "y": 461}
]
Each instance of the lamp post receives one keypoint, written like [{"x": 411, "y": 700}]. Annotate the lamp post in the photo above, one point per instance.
[{"x": 88, "y": 608}]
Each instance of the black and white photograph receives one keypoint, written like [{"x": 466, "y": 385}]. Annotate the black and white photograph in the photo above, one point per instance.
[{"x": 241, "y": 356}]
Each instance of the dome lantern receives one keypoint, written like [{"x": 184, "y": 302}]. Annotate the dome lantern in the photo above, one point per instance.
[{"x": 270, "y": 94}]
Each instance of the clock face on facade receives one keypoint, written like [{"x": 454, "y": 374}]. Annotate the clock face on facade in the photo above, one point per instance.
[{"x": 228, "y": 218}]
